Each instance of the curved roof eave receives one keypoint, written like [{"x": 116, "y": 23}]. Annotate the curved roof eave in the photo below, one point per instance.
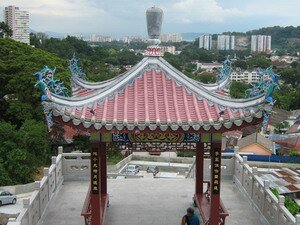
[
  {"x": 100, "y": 85},
  {"x": 179, "y": 78}
]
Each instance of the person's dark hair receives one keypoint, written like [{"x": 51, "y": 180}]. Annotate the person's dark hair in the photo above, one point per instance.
[{"x": 190, "y": 210}]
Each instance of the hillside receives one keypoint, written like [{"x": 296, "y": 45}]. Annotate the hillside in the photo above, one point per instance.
[
  {"x": 25, "y": 142},
  {"x": 286, "y": 39},
  {"x": 18, "y": 64}
]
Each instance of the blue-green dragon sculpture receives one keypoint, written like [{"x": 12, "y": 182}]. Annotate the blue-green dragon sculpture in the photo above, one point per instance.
[
  {"x": 267, "y": 84},
  {"x": 46, "y": 82},
  {"x": 75, "y": 69},
  {"x": 225, "y": 71}
]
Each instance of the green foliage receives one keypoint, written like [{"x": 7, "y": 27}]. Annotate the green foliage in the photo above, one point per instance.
[
  {"x": 19, "y": 99},
  {"x": 294, "y": 153},
  {"x": 259, "y": 60},
  {"x": 291, "y": 76},
  {"x": 287, "y": 97},
  {"x": 237, "y": 89},
  {"x": 22, "y": 151},
  {"x": 204, "y": 78},
  {"x": 241, "y": 64},
  {"x": 24, "y": 138},
  {"x": 185, "y": 153},
  {"x": 281, "y": 127},
  {"x": 114, "y": 155},
  {"x": 5, "y": 31},
  {"x": 289, "y": 203},
  {"x": 275, "y": 192},
  {"x": 81, "y": 143}
]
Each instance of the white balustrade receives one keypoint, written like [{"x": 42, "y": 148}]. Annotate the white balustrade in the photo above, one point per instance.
[
  {"x": 68, "y": 166},
  {"x": 259, "y": 193}
]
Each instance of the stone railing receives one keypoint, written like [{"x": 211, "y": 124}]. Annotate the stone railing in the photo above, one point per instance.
[
  {"x": 66, "y": 166},
  {"x": 271, "y": 209},
  {"x": 227, "y": 167},
  {"x": 76, "y": 166},
  {"x": 34, "y": 207}
]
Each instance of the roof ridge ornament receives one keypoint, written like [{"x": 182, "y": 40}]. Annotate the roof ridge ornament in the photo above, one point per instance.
[
  {"x": 154, "y": 18},
  {"x": 47, "y": 83},
  {"x": 225, "y": 70},
  {"x": 75, "y": 70},
  {"x": 267, "y": 84}
]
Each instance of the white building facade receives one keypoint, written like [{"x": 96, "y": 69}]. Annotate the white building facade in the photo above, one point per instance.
[
  {"x": 205, "y": 41},
  {"x": 245, "y": 76},
  {"x": 226, "y": 42},
  {"x": 18, "y": 22},
  {"x": 170, "y": 49},
  {"x": 261, "y": 43},
  {"x": 171, "y": 38}
]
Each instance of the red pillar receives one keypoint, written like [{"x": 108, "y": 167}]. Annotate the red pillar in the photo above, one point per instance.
[
  {"x": 103, "y": 168},
  {"x": 199, "y": 168},
  {"x": 95, "y": 184},
  {"x": 215, "y": 184}
]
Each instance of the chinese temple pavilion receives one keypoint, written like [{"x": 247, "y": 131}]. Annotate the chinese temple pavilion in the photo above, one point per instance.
[{"x": 151, "y": 103}]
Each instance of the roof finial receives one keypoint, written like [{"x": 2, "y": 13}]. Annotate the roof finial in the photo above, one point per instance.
[{"x": 154, "y": 21}]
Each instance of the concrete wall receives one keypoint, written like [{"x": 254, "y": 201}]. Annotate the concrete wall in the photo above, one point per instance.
[
  {"x": 19, "y": 189},
  {"x": 271, "y": 209}
]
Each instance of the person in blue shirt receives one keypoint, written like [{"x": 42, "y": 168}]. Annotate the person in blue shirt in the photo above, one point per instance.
[{"x": 190, "y": 218}]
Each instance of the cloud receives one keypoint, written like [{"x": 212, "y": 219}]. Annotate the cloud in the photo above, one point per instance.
[
  {"x": 127, "y": 17},
  {"x": 50, "y": 8},
  {"x": 60, "y": 15},
  {"x": 276, "y": 12},
  {"x": 201, "y": 11}
]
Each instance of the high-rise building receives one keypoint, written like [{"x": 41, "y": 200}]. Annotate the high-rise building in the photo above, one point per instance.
[
  {"x": 205, "y": 42},
  {"x": 226, "y": 42},
  {"x": 261, "y": 43},
  {"x": 170, "y": 38},
  {"x": 18, "y": 22}
]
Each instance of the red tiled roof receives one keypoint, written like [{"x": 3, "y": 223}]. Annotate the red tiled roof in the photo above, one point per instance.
[
  {"x": 295, "y": 128},
  {"x": 291, "y": 143},
  {"x": 156, "y": 96}
]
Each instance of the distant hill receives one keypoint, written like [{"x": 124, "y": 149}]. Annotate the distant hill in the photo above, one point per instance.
[
  {"x": 190, "y": 36},
  {"x": 283, "y": 38}
]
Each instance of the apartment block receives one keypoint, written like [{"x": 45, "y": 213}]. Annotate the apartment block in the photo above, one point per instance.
[
  {"x": 226, "y": 42},
  {"x": 261, "y": 43},
  {"x": 18, "y": 22},
  {"x": 205, "y": 41}
]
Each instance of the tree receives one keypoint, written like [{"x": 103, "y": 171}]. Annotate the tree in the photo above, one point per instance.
[
  {"x": 5, "y": 30},
  {"x": 241, "y": 64},
  {"x": 19, "y": 99},
  {"x": 291, "y": 76},
  {"x": 281, "y": 127},
  {"x": 237, "y": 89},
  {"x": 22, "y": 151}
]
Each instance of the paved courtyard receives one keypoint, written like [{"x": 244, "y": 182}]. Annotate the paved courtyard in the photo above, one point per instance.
[{"x": 144, "y": 201}]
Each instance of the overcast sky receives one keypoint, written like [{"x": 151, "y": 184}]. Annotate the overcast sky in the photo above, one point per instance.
[{"x": 127, "y": 17}]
